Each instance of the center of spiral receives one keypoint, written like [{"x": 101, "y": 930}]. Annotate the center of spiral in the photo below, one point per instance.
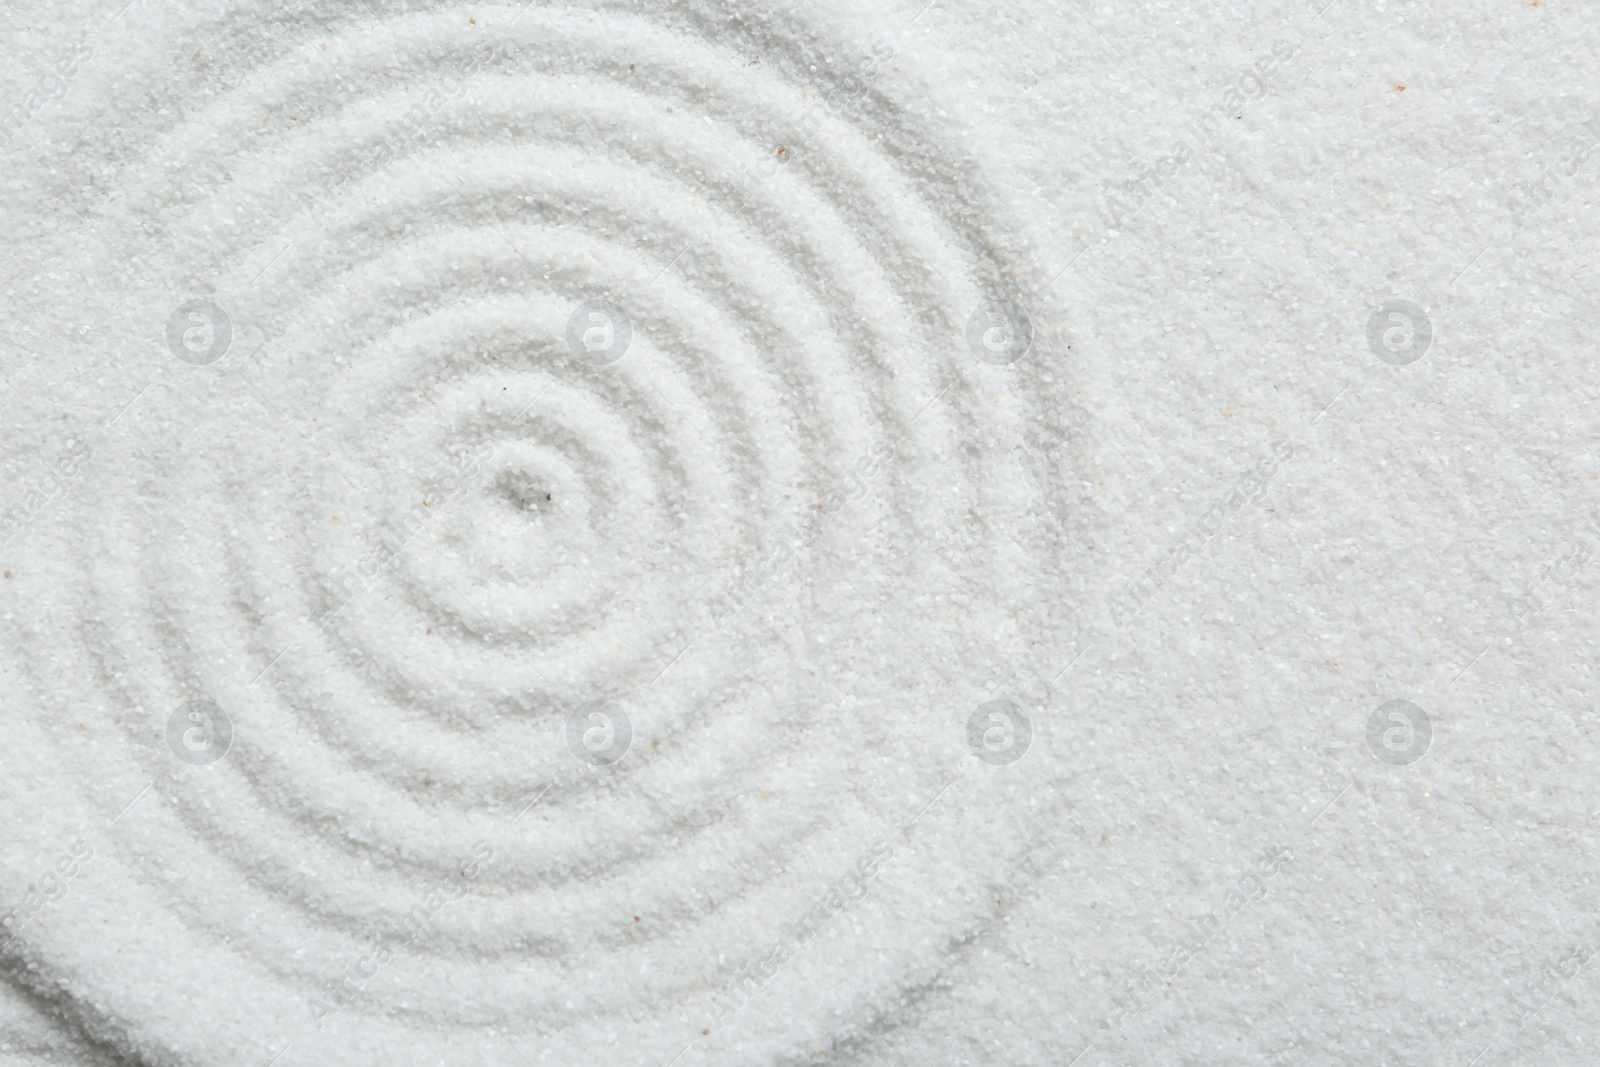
[{"x": 524, "y": 493}]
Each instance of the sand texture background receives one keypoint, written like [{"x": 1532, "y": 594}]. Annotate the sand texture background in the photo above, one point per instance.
[{"x": 845, "y": 533}]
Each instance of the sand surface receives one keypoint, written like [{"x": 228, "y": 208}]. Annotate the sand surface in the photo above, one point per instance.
[{"x": 844, "y": 533}]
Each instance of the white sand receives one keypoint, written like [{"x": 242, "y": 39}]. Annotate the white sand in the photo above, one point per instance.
[{"x": 879, "y": 534}]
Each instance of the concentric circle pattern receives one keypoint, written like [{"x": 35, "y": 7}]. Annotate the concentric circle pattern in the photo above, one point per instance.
[{"x": 595, "y": 362}]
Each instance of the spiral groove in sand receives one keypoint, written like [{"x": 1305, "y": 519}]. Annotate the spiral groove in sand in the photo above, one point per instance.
[{"x": 399, "y": 533}]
